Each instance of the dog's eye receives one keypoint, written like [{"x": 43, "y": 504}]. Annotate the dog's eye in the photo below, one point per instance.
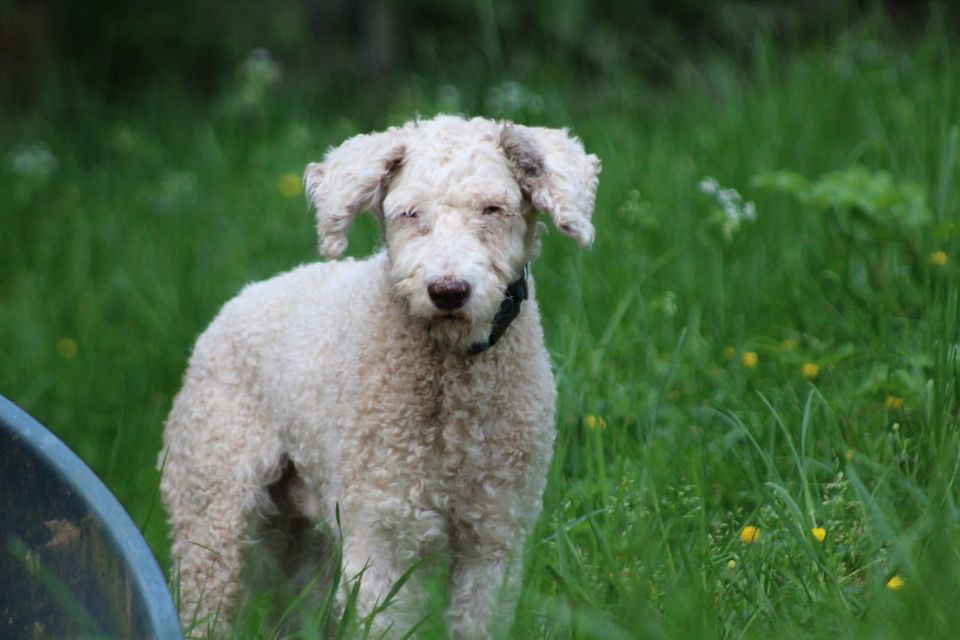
[
  {"x": 409, "y": 213},
  {"x": 492, "y": 210}
]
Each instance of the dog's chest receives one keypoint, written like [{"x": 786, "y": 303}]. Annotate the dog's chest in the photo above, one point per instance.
[
  {"x": 458, "y": 415},
  {"x": 447, "y": 428}
]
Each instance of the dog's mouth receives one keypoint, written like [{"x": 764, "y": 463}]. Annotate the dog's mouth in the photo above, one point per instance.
[
  {"x": 456, "y": 328},
  {"x": 449, "y": 316}
]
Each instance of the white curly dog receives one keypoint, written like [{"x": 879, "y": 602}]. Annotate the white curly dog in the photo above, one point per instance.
[{"x": 409, "y": 394}]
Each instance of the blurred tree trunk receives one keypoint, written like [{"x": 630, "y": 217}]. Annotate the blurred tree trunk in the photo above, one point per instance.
[
  {"x": 27, "y": 51},
  {"x": 379, "y": 42}
]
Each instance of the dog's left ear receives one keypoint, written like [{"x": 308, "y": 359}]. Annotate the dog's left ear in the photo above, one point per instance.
[
  {"x": 351, "y": 179},
  {"x": 558, "y": 176}
]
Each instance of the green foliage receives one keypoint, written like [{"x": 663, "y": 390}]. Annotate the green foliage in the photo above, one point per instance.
[
  {"x": 795, "y": 372},
  {"x": 856, "y": 191},
  {"x": 872, "y": 222}
]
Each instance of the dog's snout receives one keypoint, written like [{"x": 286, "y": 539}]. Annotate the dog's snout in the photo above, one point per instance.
[{"x": 449, "y": 293}]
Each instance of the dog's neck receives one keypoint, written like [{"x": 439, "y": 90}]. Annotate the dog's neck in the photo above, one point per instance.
[{"x": 509, "y": 309}]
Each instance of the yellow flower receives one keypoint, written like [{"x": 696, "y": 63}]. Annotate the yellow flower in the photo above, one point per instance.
[
  {"x": 939, "y": 258},
  {"x": 819, "y": 533},
  {"x": 289, "y": 185},
  {"x": 893, "y": 402},
  {"x": 67, "y": 348},
  {"x": 750, "y": 534},
  {"x": 729, "y": 353},
  {"x": 731, "y": 564},
  {"x": 810, "y": 370},
  {"x": 789, "y": 344},
  {"x": 895, "y": 583},
  {"x": 595, "y": 422}
]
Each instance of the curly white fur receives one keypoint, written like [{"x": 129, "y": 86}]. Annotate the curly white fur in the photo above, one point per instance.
[{"x": 349, "y": 372}]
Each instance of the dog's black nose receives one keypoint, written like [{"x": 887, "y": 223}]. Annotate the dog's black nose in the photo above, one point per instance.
[{"x": 449, "y": 294}]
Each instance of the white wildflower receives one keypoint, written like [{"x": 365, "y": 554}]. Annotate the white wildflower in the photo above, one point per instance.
[
  {"x": 733, "y": 210},
  {"x": 32, "y": 161},
  {"x": 260, "y": 69},
  {"x": 708, "y": 186},
  {"x": 256, "y": 76},
  {"x": 508, "y": 98},
  {"x": 638, "y": 212},
  {"x": 666, "y": 303}
]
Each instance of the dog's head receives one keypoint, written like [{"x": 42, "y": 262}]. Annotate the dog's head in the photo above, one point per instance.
[{"x": 458, "y": 203}]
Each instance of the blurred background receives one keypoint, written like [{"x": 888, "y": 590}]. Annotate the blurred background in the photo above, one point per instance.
[{"x": 123, "y": 48}]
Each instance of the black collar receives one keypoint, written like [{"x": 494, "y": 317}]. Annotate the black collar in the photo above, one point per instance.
[{"x": 509, "y": 309}]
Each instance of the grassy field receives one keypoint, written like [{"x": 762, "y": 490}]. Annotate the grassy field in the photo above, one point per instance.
[{"x": 758, "y": 362}]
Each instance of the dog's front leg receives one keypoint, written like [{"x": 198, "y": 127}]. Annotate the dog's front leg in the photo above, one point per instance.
[
  {"x": 498, "y": 473},
  {"x": 371, "y": 566},
  {"x": 484, "y": 586}
]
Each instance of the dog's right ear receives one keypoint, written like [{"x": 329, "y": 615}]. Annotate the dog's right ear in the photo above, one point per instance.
[{"x": 351, "y": 179}]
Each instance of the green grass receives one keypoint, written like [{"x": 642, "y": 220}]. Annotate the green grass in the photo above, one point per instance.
[{"x": 155, "y": 215}]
